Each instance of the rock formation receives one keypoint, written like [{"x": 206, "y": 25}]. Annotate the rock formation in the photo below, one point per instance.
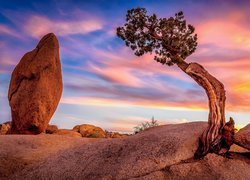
[
  {"x": 5, "y": 128},
  {"x": 242, "y": 138},
  {"x": 51, "y": 129},
  {"x": 36, "y": 87},
  {"x": 211, "y": 167},
  {"x": 66, "y": 132},
  {"x": 22, "y": 151},
  {"x": 163, "y": 152},
  {"x": 88, "y": 130}
]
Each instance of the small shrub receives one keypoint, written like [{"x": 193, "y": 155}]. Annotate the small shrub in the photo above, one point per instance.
[
  {"x": 145, "y": 125},
  {"x": 94, "y": 135}
]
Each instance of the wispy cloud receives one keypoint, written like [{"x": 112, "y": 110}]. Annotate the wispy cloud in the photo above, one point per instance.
[
  {"x": 2, "y": 44},
  {"x": 100, "y": 71},
  {"x": 118, "y": 75},
  {"x": 109, "y": 102},
  {"x": 6, "y": 63},
  {"x": 37, "y": 26},
  {"x": 5, "y": 30}
]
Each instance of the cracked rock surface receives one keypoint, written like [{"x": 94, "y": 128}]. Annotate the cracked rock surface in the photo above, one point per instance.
[{"x": 36, "y": 87}]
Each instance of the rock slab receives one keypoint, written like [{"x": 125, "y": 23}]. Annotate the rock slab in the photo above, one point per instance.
[
  {"x": 211, "y": 167},
  {"x": 124, "y": 158},
  {"x": 36, "y": 87},
  {"x": 163, "y": 152},
  {"x": 242, "y": 138}
]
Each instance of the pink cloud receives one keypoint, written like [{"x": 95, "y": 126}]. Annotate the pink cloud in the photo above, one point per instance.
[
  {"x": 37, "y": 26},
  {"x": 121, "y": 66},
  {"x": 125, "y": 124},
  {"x": 8, "y": 31},
  {"x": 229, "y": 37},
  {"x": 121, "y": 61},
  {"x": 235, "y": 76},
  {"x": 93, "y": 101},
  {"x": 118, "y": 75},
  {"x": 228, "y": 31},
  {"x": 183, "y": 101},
  {"x": 129, "y": 69},
  {"x": 7, "y": 64},
  {"x": 2, "y": 44}
]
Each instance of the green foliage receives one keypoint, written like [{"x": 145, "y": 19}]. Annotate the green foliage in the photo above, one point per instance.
[
  {"x": 166, "y": 37},
  {"x": 146, "y": 125}
]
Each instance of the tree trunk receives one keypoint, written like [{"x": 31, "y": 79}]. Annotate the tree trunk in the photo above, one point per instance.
[{"x": 211, "y": 137}]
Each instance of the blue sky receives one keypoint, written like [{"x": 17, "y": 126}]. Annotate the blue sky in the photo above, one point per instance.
[{"x": 105, "y": 84}]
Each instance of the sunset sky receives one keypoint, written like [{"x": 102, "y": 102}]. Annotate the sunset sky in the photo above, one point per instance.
[{"x": 105, "y": 84}]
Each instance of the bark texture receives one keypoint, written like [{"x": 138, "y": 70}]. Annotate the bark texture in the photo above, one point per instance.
[{"x": 211, "y": 137}]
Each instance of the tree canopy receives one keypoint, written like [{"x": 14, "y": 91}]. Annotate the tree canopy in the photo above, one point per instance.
[
  {"x": 165, "y": 37},
  {"x": 172, "y": 40}
]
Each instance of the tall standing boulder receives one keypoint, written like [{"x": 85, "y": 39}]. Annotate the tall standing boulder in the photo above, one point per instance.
[{"x": 36, "y": 87}]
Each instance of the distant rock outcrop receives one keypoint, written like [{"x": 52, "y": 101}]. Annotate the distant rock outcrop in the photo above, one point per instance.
[
  {"x": 242, "y": 138},
  {"x": 66, "y": 132},
  {"x": 5, "y": 128},
  {"x": 51, "y": 129},
  {"x": 88, "y": 130},
  {"x": 36, "y": 87}
]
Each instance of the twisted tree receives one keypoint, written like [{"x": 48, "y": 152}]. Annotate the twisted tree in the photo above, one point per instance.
[{"x": 172, "y": 40}]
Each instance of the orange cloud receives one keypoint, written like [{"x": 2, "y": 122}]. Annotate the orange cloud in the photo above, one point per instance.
[
  {"x": 235, "y": 77},
  {"x": 144, "y": 72},
  {"x": 242, "y": 87},
  {"x": 94, "y": 101},
  {"x": 227, "y": 46}
]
